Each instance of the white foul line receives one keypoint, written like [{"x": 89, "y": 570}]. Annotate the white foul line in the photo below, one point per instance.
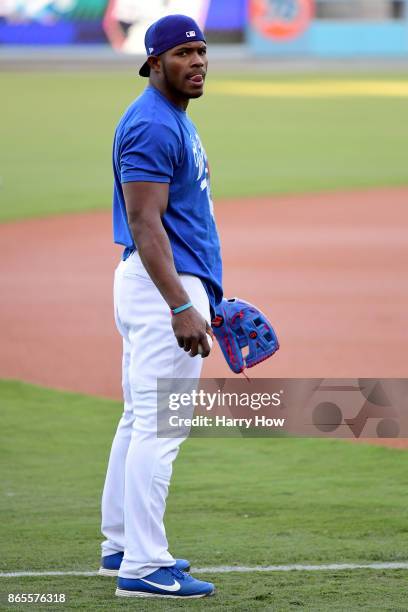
[
  {"x": 226, "y": 569},
  {"x": 223, "y": 569}
]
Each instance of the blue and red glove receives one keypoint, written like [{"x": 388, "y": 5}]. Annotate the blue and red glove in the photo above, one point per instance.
[{"x": 238, "y": 324}]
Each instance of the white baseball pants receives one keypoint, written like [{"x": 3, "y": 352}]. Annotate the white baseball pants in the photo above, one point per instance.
[{"x": 140, "y": 463}]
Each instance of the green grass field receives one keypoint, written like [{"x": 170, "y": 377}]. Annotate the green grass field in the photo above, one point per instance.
[
  {"x": 232, "y": 502},
  {"x": 55, "y": 145}
]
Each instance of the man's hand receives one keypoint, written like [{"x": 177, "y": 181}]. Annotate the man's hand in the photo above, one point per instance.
[{"x": 191, "y": 329}]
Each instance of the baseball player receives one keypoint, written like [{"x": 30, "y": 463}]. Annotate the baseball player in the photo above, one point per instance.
[{"x": 166, "y": 286}]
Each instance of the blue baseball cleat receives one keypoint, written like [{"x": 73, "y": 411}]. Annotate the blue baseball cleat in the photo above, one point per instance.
[
  {"x": 111, "y": 563},
  {"x": 164, "y": 582}
]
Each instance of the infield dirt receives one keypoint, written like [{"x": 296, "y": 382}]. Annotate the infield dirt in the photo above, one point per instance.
[{"x": 329, "y": 270}]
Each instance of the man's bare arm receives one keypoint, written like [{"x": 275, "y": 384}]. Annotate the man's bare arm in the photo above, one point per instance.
[{"x": 146, "y": 203}]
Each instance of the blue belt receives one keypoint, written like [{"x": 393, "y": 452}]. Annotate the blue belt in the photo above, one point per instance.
[{"x": 127, "y": 252}]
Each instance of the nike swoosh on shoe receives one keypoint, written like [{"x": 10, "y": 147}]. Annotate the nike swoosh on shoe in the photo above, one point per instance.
[{"x": 164, "y": 587}]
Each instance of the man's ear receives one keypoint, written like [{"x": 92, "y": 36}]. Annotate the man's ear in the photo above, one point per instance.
[{"x": 154, "y": 63}]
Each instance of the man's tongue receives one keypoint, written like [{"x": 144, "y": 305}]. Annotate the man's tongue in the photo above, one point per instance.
[{"x": 197, "y": 78}]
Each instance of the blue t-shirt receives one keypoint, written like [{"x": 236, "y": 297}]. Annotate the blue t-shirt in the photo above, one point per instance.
[{"x": 156, "y": 141}]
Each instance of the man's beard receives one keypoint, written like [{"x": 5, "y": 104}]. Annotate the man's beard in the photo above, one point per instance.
[{"x": 179, "y": 92}]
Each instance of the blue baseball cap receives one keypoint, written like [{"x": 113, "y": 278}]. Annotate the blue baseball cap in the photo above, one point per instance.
[{"x": 168, "y": 32}]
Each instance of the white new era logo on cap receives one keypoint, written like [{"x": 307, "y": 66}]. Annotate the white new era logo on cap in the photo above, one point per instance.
[
  {"x": 151, "y": 49},
  {"x": 190, "y": 34}
]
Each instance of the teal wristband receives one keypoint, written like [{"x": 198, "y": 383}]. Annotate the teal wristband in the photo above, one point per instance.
[{"x": 175, "y": 311}]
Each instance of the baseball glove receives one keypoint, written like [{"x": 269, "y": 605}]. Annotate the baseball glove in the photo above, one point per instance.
[{"x": 238, "y": 324}]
